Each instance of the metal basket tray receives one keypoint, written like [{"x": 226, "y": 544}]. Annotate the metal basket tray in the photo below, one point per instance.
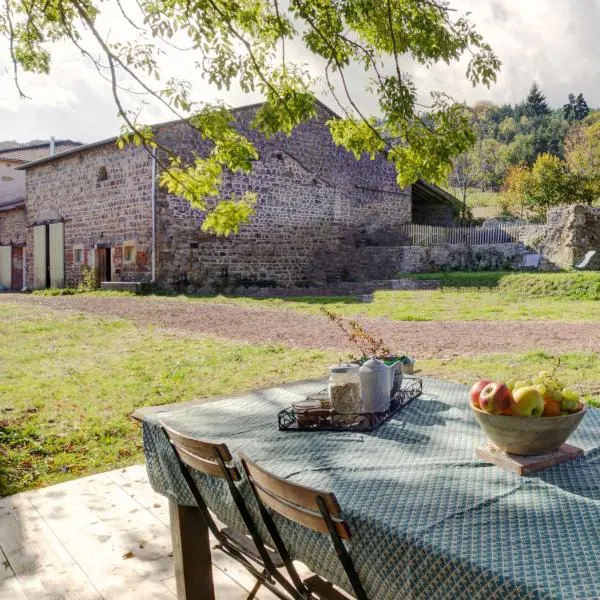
[{"x": 327, "y": 419}]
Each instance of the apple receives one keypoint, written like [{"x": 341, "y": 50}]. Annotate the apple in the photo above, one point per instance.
[
  {"x": 551, "y": 407},
  {"x": 495, "y": 398},
  {"x": 476, "y": 390},
  {"x": 527, "y": 402}
]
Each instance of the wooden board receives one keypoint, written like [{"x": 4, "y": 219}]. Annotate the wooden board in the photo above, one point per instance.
[
  {"x": 104, "y": 536},
  {"x": 525, "y": 465}
]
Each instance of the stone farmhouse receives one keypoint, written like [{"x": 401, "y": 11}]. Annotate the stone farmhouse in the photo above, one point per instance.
[
  {"x": 99, "y": 207},
  {"x": 12, "y": 206}
]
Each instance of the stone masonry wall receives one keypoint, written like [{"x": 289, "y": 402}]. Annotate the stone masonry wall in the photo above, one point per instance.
[
  {"x": 569, "y": 232},
  {"x": 388, "y": 262},
  {"x": 96, "y": 212},
  {"x": 13, "y": 226},
  {"x": 315, "y": 201}
]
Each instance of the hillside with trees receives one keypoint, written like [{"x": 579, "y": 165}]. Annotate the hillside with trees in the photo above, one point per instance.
[{"x": 531, "y": 155}]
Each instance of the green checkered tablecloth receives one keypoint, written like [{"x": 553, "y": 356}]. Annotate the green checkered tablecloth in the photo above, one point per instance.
[{"x": 429, "y": 519}]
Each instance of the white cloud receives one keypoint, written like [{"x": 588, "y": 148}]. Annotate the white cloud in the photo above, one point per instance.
[{"x": 550, "y": 41}]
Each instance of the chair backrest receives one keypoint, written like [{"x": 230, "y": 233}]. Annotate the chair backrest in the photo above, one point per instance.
[
  {"x": 314, "y": 509},
  {"x": 303, "y": 505},
  {"x": 207, "y": 457}
]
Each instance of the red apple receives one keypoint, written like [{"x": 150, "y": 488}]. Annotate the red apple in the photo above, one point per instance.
[
  {"x": 476, "y": 390},
  {"x": 495, "y": 398}
]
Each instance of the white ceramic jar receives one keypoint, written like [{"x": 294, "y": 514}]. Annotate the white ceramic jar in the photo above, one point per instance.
[{"x": 375, "y": 385}]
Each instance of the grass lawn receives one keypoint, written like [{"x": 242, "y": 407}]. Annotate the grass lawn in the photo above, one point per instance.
[
  {"x": 69, "y": 383},
  {"x": 486, "y": 296}
]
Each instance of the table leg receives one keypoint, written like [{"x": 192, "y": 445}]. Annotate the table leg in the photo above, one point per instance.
[{"x": 191, "y": 553}]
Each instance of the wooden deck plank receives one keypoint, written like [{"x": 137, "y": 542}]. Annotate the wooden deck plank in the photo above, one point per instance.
[
  {"x": 134, "y": 482},
  {"x": 111, "y": 534},
  {"x": 69, "y": 542},
  {"x": 9, "y": 584},
  {"x": 42, "y": 566}
]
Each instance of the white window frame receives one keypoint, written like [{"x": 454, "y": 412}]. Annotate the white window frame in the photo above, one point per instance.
[
  {"x": 78, "y": 248},
  {"x": 129, "y": 244}
]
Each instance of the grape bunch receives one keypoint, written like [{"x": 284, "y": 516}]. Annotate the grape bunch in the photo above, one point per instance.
[{"x": 558, "y": 399}]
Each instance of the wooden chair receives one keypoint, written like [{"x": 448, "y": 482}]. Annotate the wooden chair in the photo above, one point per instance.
[
  {"x": 311, "y": 508},
  {"x": 215, "y": 460}
]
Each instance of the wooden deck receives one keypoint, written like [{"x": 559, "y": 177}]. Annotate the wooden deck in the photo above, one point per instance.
[{"x": 104, "y": 536}]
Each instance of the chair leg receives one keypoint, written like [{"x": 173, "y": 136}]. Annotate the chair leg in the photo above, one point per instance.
[{"x": 256, "y": 587}]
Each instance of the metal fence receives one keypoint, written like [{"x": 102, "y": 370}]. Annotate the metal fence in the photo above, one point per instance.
[{"x": 433, "y": 235}]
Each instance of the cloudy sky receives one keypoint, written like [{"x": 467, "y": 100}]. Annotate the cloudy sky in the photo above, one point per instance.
[{"x": 554, "y": 42}]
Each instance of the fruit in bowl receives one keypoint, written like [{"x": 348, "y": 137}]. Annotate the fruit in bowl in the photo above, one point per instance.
[
  {"x": 527, "y": 402},
  {"x": 495, "y": 398},
  {"x": 540, "y": 416},
  {"x": 475, "y": 391}
]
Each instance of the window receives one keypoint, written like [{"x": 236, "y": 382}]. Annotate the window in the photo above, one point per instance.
[
  {"x": 128, "y": 252},
  {"x": 78, "y": 255},
  {"x": 102, "y": 174}
]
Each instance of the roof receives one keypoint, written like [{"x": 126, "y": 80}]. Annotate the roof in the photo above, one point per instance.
[
  {"x": 33, "y": 152},
  {"x": 12, "y": 204},
  {"x": 34, "y": 162},
  {"x": 428, "y": 191}
]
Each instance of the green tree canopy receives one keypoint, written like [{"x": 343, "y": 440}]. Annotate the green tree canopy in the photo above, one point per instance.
[
  {"x": 536, "y": 104},
  {"x": 245, "y": 42},
  {"x": 576, "y": 109},
  {"x": 582, "y": 154},
  {"x": 547, "y": 183}
]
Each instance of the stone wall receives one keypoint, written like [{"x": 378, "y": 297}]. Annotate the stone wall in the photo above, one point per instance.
[
  {"x": 13, "y": 227},
  {"x": 569, "y": 232},
  {"x": 388, "y": 262},
  {"x": 103, "y": 196},
  {"x": 315, "y": 203}
]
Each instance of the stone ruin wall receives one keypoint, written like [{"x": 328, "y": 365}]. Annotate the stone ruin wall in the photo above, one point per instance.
[{"x": 569, "y": 232}]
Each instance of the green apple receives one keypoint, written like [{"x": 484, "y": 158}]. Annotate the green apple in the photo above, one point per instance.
[{"x": 527, "y": 402}]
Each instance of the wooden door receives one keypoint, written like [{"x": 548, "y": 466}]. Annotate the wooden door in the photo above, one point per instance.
[
  {"x": 17, "y": 268},
  {"x": 103, "y": 270},
  {"x": 40, "y": 258},
  {"x": 57, "y": 255},
  {"x": 5, "y": 274}
]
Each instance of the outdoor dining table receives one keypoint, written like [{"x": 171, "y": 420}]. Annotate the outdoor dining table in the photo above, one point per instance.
[{"x": 429, "y": 519}]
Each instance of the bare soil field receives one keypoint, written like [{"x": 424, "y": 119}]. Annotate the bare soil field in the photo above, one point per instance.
[{"x": 296, "y": 330}]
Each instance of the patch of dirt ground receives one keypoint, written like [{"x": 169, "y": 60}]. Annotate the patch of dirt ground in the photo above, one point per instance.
[{"x": 294, "y": 329}]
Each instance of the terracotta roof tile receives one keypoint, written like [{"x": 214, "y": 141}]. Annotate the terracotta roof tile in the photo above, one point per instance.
[{"x": 37, "y": 151}]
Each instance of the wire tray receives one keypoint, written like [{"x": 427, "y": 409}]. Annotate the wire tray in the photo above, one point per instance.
[{"x": 327, "y": 419}]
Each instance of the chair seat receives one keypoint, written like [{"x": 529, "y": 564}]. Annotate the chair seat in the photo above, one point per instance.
[
  {"x": 247, "y": 546},
  {"x": 323, "y": 589}
]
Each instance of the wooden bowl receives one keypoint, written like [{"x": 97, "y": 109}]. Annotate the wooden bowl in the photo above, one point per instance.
[{"x": 528, "y": 436}]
